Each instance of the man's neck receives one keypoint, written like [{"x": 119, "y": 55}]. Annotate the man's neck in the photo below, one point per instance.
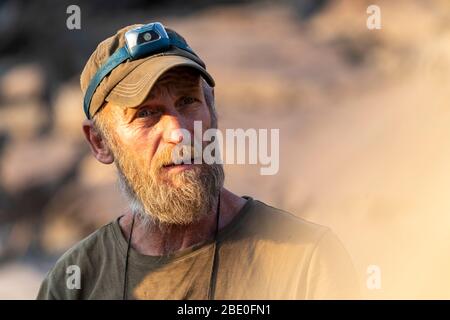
[{"x": 156, "y": 241}]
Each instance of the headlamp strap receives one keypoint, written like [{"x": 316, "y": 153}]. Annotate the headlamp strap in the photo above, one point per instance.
[{"x": 117, "y": 58}]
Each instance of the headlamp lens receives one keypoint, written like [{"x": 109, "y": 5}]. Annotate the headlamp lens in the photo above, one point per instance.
[
  {"x": 146, "y": 40},
  {"x": 147, "y": 36}
]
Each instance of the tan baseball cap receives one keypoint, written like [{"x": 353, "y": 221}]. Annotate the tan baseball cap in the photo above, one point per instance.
[{"x": 129, "y": 83}]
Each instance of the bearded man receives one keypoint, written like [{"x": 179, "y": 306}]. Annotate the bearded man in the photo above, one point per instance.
[{"x": 184, "y": 236}]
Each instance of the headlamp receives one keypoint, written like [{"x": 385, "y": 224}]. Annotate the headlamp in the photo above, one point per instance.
[{"x": 140, "y": 42}]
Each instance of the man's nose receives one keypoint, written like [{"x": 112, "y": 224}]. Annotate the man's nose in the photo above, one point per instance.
[{"x": 173, "y": 129}]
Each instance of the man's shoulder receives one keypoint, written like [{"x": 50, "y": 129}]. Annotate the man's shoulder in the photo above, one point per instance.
[
  {"x": 277, "y": 219},
  {"x": 321, "y": 257},
  {"x": 284, "y": 226},
  {"x": 89, "y": 246},
  {"x": 84, "y": 257},
  {"x": 87, "y": 252}
]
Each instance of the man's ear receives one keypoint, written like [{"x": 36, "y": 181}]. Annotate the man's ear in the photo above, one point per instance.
[{"x": 98, "y": 145}]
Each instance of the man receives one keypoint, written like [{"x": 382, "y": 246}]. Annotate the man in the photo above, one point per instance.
[{"x": 185, "y": 236}]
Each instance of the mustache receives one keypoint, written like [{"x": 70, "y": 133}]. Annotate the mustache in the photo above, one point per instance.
[{"x": 176, "y": 155}]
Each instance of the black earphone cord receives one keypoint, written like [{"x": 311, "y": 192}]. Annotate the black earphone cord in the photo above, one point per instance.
[{"x": 212, "y": 280}]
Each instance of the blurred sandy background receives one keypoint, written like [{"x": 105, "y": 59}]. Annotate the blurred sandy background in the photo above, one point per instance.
[{"x": 364, "y": 123}]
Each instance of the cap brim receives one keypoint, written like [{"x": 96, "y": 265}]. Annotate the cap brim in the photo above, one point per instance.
[{"x": 132, "y": 90}]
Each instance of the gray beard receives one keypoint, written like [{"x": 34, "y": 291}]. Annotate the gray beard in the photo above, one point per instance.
[{"x": 175, "y": 205}]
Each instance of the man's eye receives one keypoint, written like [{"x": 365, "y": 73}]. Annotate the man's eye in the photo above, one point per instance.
[
  {"x": 188, "y": 100},
  {"x": 147, "y": 113}
]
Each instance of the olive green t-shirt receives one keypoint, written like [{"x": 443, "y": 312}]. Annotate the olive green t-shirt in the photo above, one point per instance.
[{"x": 263, "y": 253}]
